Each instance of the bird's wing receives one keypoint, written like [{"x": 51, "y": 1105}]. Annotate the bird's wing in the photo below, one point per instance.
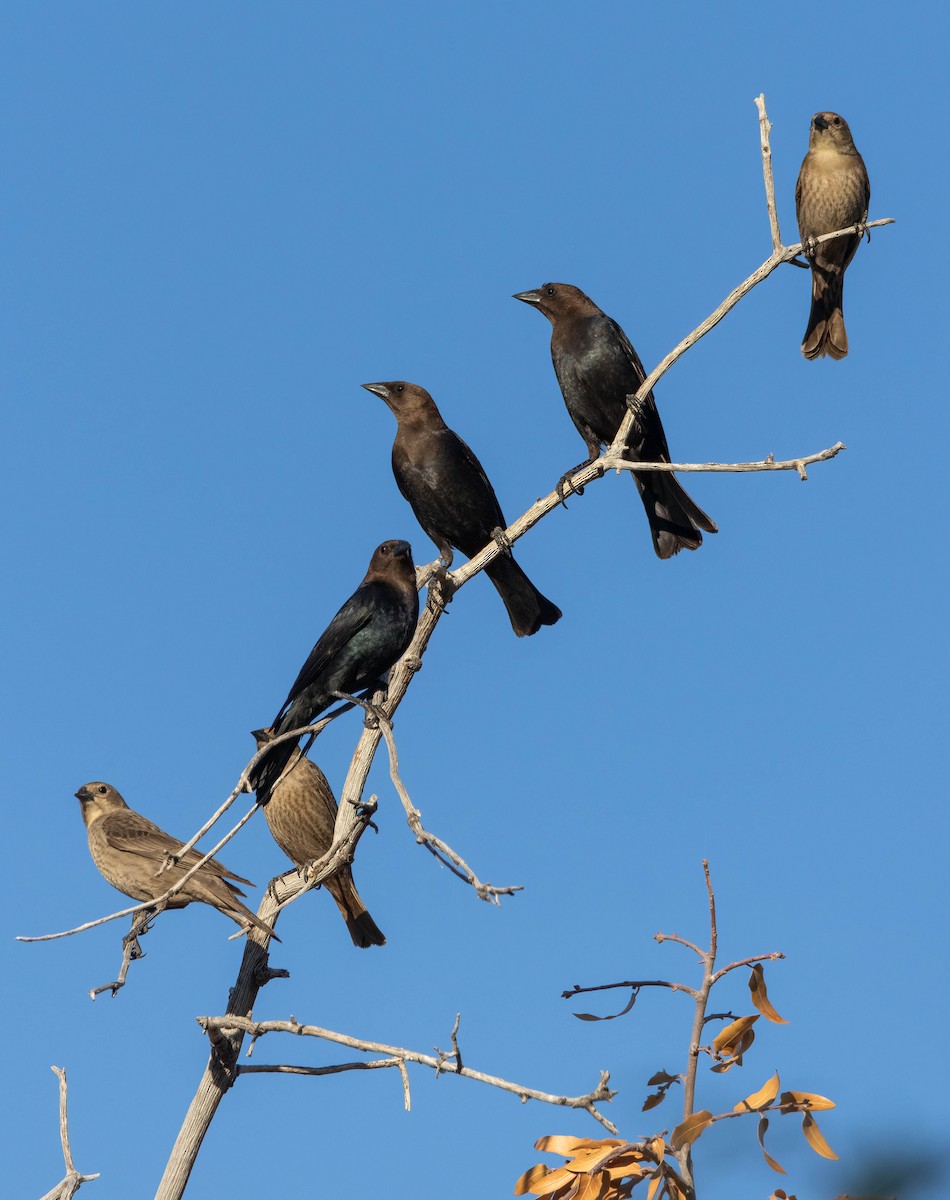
[
  {"x": 132, "y": 833},
  {"x": 468, "y": 457},
  {"x": 352, "y": 617},
  {"x": 628, "y": 350}
]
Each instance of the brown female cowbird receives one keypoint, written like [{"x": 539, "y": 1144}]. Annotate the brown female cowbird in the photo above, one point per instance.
[
  {"x": 129, "y": 852},
  {"x": 369, "y": 633},
  {"x": 454, "y": 501},
  {"x": 301, "y": 814},
  {"x": 832, "y": 192},
  {"x": 598, "y": 369}
]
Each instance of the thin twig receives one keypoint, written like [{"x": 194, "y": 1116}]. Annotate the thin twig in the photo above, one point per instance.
[
  {"x": 72, "y": 1181},
  {"x": 257, "y": 1029},
  {"x": 747, "y": 962},
  {"x": 440, "y": 849},
  {"x": 684, "y": 1155},
  {"x": 675, "y": 937},
  {"x": 765, "y": 464},
  {"x": 334, "y": 1069},
  {"x": 131, "y": 951},
  {"x": 636, "y": 984},
  {"x": 765, "y": 128}
]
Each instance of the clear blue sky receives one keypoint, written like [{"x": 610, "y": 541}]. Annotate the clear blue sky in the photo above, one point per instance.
[{"x": 220, "y": 219}]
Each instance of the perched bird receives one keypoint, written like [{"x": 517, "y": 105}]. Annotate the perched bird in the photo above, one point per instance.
[
  {"x": 454, "y": 501},
  {"x": 597, "y": 369},
  {"x": 129, "y": 851},
  {"x": 369, "y": 633},
  {"x": 832, "y": 192},
  {"x": 301, "y": 814}
]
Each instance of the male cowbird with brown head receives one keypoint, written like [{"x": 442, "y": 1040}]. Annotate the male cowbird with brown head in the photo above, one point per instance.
[
  {"x": 129, "y": 851},
  {"x": 833, "y": 192},
  {"x": 453, "y": 499},
  {"x": 597, "y": 369},
  {"x": 369, "y": 633},
  {"x": 301, "y": 814}
]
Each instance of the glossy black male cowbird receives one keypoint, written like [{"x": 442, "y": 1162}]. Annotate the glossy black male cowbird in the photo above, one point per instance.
[
  {"x": 454, "y": 501},
  {"x": 832, "y": 193},
  {"x": 301, "y": 814},
  {"x": 369, "y": 633},
  {"x": 129, "y": 851},
  {"x": 597, "y": 369}
]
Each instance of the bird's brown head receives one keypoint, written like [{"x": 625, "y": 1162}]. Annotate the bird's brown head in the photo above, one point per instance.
[
  {"x": 829, "y": 131},
  {"x": 392, "y": 561},
  {"x": 262, "y": 736},
  {"x": 558, "y": 300},
  {"x": 402, "y": 398},
  {"x": 97, "y": 799}
]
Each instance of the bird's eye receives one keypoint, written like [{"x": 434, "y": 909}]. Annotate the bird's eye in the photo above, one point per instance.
[
  {"x": 836, "y": 121},
  {"x": 549, "y": 291},
  {"x": 102, "y": 791},
  {"x": 398, "y": 388}
]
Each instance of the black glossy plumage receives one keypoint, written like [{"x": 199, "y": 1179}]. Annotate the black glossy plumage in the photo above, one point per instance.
[
  {"x": 453, "y": 499},
  {"x": 369, "y": 633},
  {"x": 597, "y": 368}
]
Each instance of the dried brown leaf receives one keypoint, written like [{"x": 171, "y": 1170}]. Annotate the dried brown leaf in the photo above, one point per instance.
[
  {"x": 760, "y": 1134},
  {"x": 561, "y": 1143},
  {"x": 657, "y": 1147},
  {"x": 653, "y": 1100},
  {"x": 760, "y": 997},
  {"x": 689, "y": 1130},
  {"x": 765, "y": 1095},
  {"x": 815, "y": 1138},
  {"x": 591, "y": 1160},
  {"x": 593, "y": 1187},
  {"x": 734, "y": 1033},
  {"x": 609, "y": 1016},
  {"x": 654, "y": 1184},
  {"x": 628, "y": 1164},
  {"x": 552, "y": 1182},
  {"x": 525, "y": 1181},
  {"x": 807, "y": 1100},
  {"x": 662, "y": 1077}
]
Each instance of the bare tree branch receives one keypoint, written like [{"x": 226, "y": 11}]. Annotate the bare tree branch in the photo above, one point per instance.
[
  {"x": 634, "y": 984},
  {"x": 440, "y": 1064},
  {"x": 72, "y": 1181}
]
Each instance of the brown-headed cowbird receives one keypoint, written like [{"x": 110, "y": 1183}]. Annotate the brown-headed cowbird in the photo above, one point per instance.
[
  {"x": 832, "y": 192},
  {"x": 301, "y": 814},
  {"x": 597, "y": 369},
  {"x": 453, "y": 499},
  {"x": 369, "y": 633},
  {"x": 129, "y": 851}
]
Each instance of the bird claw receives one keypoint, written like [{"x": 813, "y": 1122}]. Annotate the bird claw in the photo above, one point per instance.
[
  {"x": 565, "y": 488},
  {"x": 502, "y": 540},
  {"x": 439, "y": 588}
]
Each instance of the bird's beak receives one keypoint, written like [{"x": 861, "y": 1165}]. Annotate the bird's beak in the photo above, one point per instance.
[
  {"x": 261, "y": 736},
  {"x": 402, "y": 550},
  {"x": 379, "y": 389},
  {"x": 84, "y": 794},
  {"x": 819, "y": 121},
  {"x": 533, "y": 298}
]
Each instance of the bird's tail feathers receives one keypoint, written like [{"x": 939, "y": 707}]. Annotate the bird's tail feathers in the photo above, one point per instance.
[
  {"x": 527, "y": 609},
  {"x": 363, "y": 929},
  {"x": 676, "y": 520},
  {"x": 825, "y": 334}
]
